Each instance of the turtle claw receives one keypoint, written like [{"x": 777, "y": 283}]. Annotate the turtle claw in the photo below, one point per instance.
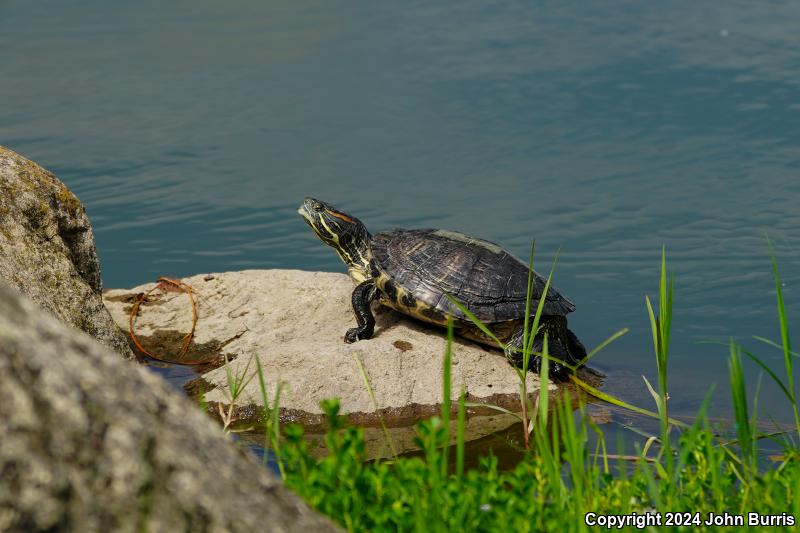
[
  {"x": 557, "y": 372},
  {"x": 351, "y": 336},
  {"x": 358, "y": 334}
]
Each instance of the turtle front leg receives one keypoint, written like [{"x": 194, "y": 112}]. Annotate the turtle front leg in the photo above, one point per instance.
[{"x": 363, "y": 295}]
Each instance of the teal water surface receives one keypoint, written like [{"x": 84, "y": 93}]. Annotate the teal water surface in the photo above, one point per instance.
[{"x": 192, "y": 130}]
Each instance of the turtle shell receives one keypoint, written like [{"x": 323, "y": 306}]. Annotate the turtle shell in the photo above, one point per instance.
[{"x": 417, "y": 268}]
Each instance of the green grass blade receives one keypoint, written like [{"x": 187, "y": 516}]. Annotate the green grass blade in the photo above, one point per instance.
[
  {"x": 497, "y": 408},
  {"x": 526, "y": 332},
  {"x": 480, "y": 325},
  {"x": 666, "y": 290},
  {"x": 600, "y": 395},
  {"x": 786, "y": 344},
  {"x": 739, "y": 397},
  {"x": 653, "y": 393},
  {"x": 769, "y": 372},
  {"x": 276, "y": 432},
  {"x": 262, "y": 384},
  {"x": 641, "y": 432},
  {"x": 774, "y": 344},
  {"x": 265, "y": 402},
  {"x": 446, "y": 384},
  {"x": 544, "y": 391},
  {"x": 653, "y": 324},
  {"x": 461, "y": 433},
  {"x": 660, "y": 329},
  {"x": 602, "y": 345},
  {"x": 527, "y": 414},
  {"x": 540, "y": 307},
  {"x": 231, "y": 381}
]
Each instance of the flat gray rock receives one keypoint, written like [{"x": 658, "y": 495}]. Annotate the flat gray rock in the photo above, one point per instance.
[
  {"x": 294, "y": 322},
  {"x": 47, "y": 249},
  {"x": 92, "y": 443}
]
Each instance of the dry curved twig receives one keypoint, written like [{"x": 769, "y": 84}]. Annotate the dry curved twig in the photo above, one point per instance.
[{"x": 166, "y": 284}]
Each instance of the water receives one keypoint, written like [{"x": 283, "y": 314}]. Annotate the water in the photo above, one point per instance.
[{"x": 192, "y": 130}]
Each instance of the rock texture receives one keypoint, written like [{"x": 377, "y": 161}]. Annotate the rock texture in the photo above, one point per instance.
[
  {"x": 47, "y": 249},
  {"x": 294, "y": 322},
  {"x": 92, "y": 443}
]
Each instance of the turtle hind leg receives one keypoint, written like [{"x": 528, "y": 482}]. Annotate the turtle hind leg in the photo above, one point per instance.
[
  {"x": 362, "y": 297},
  {"x": 556, "y": 348},
  {"x": 562, "y": 345}
]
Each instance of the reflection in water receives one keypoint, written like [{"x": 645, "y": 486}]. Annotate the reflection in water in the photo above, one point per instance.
[{"x": 190, "y": 130}]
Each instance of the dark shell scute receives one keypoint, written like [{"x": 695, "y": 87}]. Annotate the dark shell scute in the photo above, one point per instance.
[{"x": 485, "y": 278}]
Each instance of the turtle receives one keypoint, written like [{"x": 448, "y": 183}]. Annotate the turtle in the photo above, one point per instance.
[{"x": 414, "y": 270}]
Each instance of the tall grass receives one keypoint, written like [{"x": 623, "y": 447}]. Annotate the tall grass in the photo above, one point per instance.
[
  {"x": 236, "y": 383},
  {"x": 785, "y": 344},
  {"x": 660, "y": 327},
  {"x": 563, "y": 483}
]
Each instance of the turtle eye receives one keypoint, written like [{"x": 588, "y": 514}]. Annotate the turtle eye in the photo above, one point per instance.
[{"x": 317, "y": 206}]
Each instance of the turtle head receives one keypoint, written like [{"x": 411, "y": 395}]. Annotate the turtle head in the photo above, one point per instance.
[{"x": 344, "y": 233}]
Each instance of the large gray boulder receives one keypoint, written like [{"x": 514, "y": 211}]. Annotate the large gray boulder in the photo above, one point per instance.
[
  {"x": 294, "y": 322},
  {"x": 47, "y": 249},
  {"x": 90, "y": 442}
]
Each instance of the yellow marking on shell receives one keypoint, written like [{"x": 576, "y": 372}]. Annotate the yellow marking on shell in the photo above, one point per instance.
[
  {"x": 456, "y": 236},
  {"x": 502, "y": 330},
  {"x": 380, "y": 281},
  {"x": 416, "y": 311}
]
